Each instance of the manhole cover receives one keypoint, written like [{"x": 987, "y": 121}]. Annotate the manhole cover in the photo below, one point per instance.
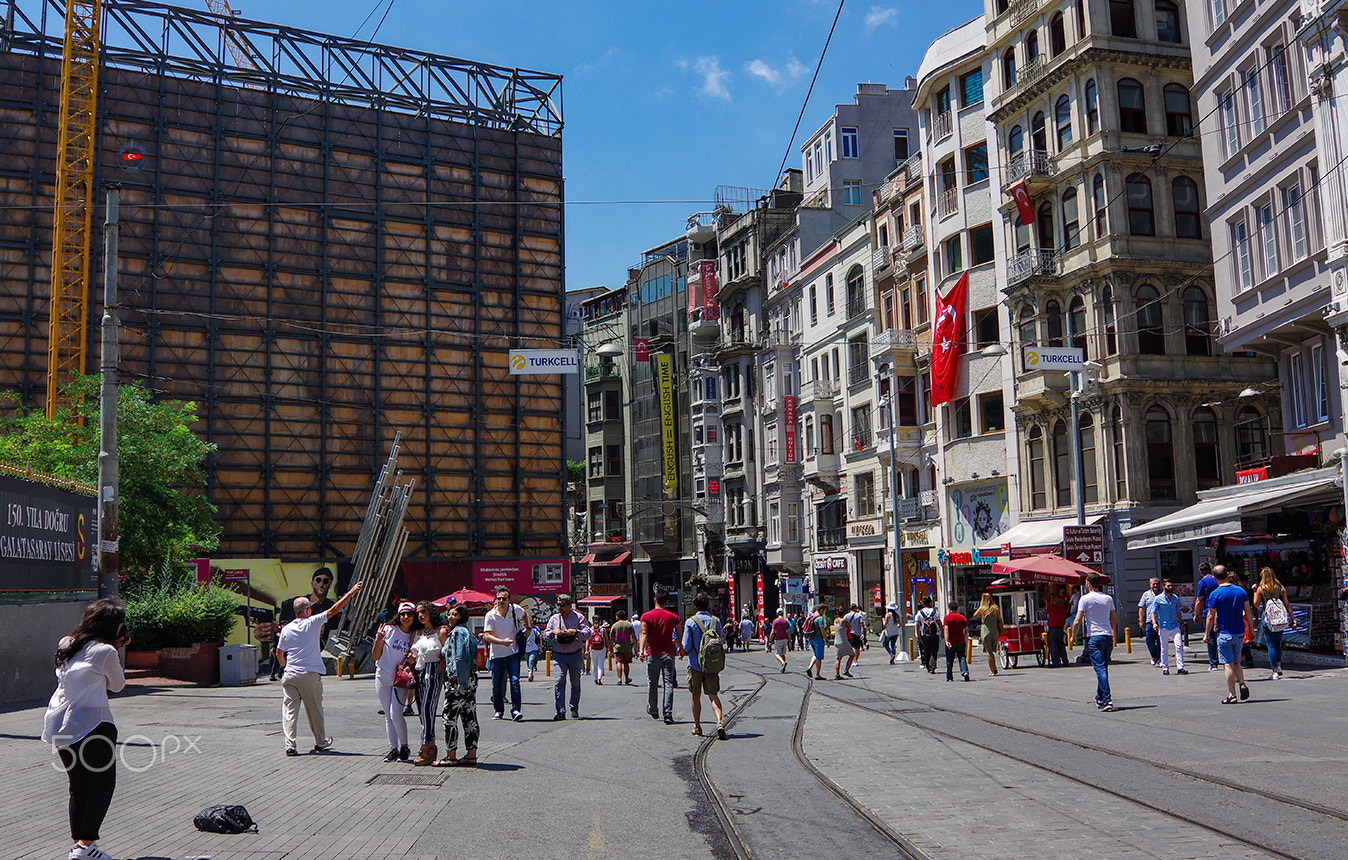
[{"x": 427, "y": 779}]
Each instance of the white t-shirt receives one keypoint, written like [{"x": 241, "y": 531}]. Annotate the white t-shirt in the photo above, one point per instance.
[
  {"x": 1096, "y": 606},
  {"x": 427, "y": 649},
  {"x": 891, "y": 623},
  {"x": 80, "y": 702},
  {"x": 396, "y": 645},
  {"x": 746, "y": 629},
  {"x": 856, "y": 621},
  {"x": 505, "y": 627},
  {"x": 301, "y": 640}
]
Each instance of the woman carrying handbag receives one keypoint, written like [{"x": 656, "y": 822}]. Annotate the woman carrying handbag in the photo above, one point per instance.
[{"x": 391, "y": 645}]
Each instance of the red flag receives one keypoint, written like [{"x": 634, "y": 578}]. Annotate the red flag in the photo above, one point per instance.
[
  {"x": 1024, "y": 205},
  {"x": 947, "y": 341}
]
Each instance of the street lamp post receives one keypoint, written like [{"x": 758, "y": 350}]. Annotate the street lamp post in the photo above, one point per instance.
[
  {"x": 1078, "y": 383},
  {"x": 887, "y": 404}
]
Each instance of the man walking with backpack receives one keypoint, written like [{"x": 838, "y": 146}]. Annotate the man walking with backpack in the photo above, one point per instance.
[
  {"x": 706, "y": 658},
  {"x": 928, "y": 626},
  {"x": 624, "y": 637}
]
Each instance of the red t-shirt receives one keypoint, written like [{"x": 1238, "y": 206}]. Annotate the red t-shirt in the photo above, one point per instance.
[
  {"x": 1057, "y": 612},
  {"x": 658, "y": 625},
  {"x": 958, "y": 627},
  {"x": 781, "y": 629}
]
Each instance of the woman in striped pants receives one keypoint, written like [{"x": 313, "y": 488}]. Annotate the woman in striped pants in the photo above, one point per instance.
[{"x": 430, "y": 678}]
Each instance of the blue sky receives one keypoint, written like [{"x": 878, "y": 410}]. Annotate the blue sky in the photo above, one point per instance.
[{"x": 662, "y": 101}]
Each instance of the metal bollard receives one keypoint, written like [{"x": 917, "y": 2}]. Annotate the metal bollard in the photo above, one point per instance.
[
  {"x": 609, "y": 661},
  {"x": 969, "y": 651},
  {"x": 912, "y": 648},
  {"x": 1128, "y": 640},
  {"x": 547, "y": 663}
]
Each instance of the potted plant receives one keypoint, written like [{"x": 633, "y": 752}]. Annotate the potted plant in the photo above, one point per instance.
[{"x": 182, "y": 620}]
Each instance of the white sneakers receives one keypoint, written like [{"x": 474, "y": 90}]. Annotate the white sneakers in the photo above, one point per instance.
[{"x": 88, "y": 852}]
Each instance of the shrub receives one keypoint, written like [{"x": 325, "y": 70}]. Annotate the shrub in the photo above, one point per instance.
[{"x": 169, "y": 609}]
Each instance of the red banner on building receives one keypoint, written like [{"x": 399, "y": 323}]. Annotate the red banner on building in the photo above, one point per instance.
[
  {"x": 711, "y": 307},
  {"x": 789, "y": 446},
  {"x": 948, "y": 341},
  {"x": 694, "y": 290},
  {"x": 758, "y": 581},
  {"x": 730, "y": 606},
  {"x": 1024, "y": 205},
  {"x": 641, "y": 349}
]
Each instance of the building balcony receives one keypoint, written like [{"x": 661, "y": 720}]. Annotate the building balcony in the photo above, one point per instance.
[
  {"x": 906, "y": 441},
  {"x": 1029, "y": 74},
  {"x": 731, "y": 406},
  {"x": 943, "y": 125},
  {"x": 832, "y": 537},
  {"x": 880, "y": 258},
  {"x": 1042, "y": 263},
  {"x": 818, "y": 390},
  {"x": 1043, "y": 388},
  {"x": 822, "y": 466},
  {"x": 701, "y": 327},
  {"x": 914, "y": 238},
  {"x": 779, "y": 339},
  {"x": 1021, "y": 10},
  {"x": 927, "y": 498},
  {"x": 735, "y": 343},
  {"x": 947, "y": 202},
  {"x": 912, "y": 168},
  {"x": 768, "y": 405},
  {"x": 899, "y": 340},
  {"x": 790, "y": 473},
  {"x": 1033, "y": 166},
  {"x": 600, "y": 372}
]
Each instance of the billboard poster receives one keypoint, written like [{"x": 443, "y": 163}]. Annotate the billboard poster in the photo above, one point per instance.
[
  {"x": 47, "y": 538},
  {"x": 981, "y": 512},
  {"x": 530, "y": 362},
  {"x": 789, "y": 446},
  {"x": 665, "y": 375},
  {"x": 529, "y": 576},
  {"x": 711, "y": 307}
]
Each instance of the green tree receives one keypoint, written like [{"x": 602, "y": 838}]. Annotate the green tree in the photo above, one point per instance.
[
  {"x": 575, "y": 471},
  {"x": 165, "y": 515}
]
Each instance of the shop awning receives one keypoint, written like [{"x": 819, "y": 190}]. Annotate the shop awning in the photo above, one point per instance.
[
  {"x": 1219, "y": 511},
  {"x": 621, "y": 558},
  {"x": 587, "y": 558},
  {"x": 599, "y": 600},
  {"x": 1029, "y": 533},
  {"x": 1045, "y": 568}
]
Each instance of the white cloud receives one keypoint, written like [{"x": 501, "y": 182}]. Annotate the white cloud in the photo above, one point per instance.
[
  {"x": 880, "y": 16},
  {"x": 760, "y": 69},
  {"x": 714, "y": 77},
  {"x": 795, "y": 69}
]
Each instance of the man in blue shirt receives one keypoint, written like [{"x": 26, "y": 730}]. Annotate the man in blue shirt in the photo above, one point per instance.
[
  {"x": 1228, "y": 613},
  {"x": 702, "y": 621},
  {"x": 1205, "y": 588},
  {"x": 1143, "y": 610},
  {"x": 1164, "y": 620}
]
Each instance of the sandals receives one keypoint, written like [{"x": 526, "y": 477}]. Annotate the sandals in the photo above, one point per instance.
[
  {"x": 1230, "y": 700},
  {"x": 1244, "y": 692},
  {"x": 445, "y": 762},
  {"x": 696, "y": 732}
]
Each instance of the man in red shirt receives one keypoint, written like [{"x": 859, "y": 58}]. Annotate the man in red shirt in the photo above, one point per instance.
[
  {"x": 659, "y": 643},
  {"x": 781, "y": 635},
  {"x": 1057, "y": 622},
  {"x": 956, "y": 628}
]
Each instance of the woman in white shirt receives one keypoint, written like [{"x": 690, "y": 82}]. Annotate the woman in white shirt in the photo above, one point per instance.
[
  {"x": 390, "y": 649},
  {"x": 79, "y": 722},
  {"x": 426, "y": 647}
]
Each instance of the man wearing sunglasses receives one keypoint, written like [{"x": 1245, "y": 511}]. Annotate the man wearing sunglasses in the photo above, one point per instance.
[{"x": 318, "y": 602}]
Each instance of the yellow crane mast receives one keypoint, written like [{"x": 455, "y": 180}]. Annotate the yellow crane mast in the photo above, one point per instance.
[{"x": 73, "y": 216}]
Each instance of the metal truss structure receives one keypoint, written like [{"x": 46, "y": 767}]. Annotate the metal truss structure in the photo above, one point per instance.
[{"x": 333, "y": 245}]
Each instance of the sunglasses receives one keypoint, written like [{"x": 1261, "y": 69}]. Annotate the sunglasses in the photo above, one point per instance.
[
  {"x": 322, "y": 580},
  {"x": 408, "y": 614}
]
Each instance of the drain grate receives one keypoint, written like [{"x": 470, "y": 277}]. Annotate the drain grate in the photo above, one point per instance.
[{"x": 421, "y": 779}]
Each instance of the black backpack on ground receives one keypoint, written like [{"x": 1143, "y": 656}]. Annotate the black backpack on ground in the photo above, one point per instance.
[{"x": 225, "y": 819}]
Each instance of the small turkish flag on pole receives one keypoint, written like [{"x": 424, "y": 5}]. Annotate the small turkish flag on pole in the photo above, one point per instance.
[{"x": 1024, "y": 205}]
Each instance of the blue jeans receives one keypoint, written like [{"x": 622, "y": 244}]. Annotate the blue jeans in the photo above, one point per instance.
[
  {"x": 567, "y": 664},
  {"x": 1153, "y": 644},
  {"x": 890, "y": 644},
  {"x": 1098, "y": 649},
  {"x": 951, "y": 653},
  {"x": 660, "y": 674},
  {"x": 1212, "y": 652},
  {"x": 531, "y": 659},
  {"x": 501, "y": 669},
  {"x": 1274, "y": 642}
]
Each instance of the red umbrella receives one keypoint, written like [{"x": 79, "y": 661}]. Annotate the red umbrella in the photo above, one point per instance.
[
  {"x": 465, "y": 596},
  {"x": 1045, "y": 568}
]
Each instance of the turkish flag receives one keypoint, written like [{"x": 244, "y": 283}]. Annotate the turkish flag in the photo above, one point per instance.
[
  {"x": 948, "y": 341},
  {"x": 1024, "y": 205}
]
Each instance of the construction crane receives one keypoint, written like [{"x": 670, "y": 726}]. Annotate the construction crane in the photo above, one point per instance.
[
  {"x": 73, "y": 217},
  {"x": 236, "y": 46}
]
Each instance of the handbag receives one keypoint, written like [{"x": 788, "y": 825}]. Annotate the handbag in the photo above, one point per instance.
[
  {"x": 521, "y": 633},
  {"x": 224, "y": 819},
  {"x": 404, "y": 678}
]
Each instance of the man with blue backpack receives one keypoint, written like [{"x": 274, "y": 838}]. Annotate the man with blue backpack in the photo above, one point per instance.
[{"x": 706, "y": 658}]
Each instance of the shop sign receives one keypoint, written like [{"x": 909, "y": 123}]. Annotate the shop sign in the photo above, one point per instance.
[
  {"x": 916, "y": 538},
  {"x": 745, "y": 563},
  {"x": 1250, "y": 476},
  {"x": 973, "y": 556},
  {"x": 791, "y": 585},
  {"x": 1084, "y": 544},
  {"x": 731, "y": 583},
  {"x": 865, "y": 529},
  {"x": 876, "y": 600},
  {"x": 534, "y": 361},
  {"x": 665, "y": 375},
  {"x": 641, "y": 349},
  {"x": 789, "y": 446},
  {"x": 1039, "y": 358},
  {"x": 830, "y": 564},
  {"x": 759, "y": 585}
]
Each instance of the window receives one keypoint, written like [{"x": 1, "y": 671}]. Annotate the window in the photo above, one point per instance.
[
  {"x": 1218, "y": 13},
  {"x": 901, "y": 144},
  {"x": 1226, "y": 105},
  {"x": 1081, "y": 19},
  {"x": 925, "y": 379},
  {"x": 1015, "y": 140},
  {"x": 861, "y": 427},
  {"x": 1035, "y": 447},
  {"x": 1160, "y": 454},
  {"x": 848, "y": 146},
  {"x": 1268, "y": 238},
  {"x": 1243, "y": 258},
  {"x": 774, "y": 522},
  {"x": 954, "y": 257},
  {"x": 985, "y": 327},
  {"x": 1178, "y": 113},
  {"x": 1086, "y": 442},
  {"x": 809, "y": 437},
  {"x": 614, "y": 460},
  {"x": 1031, "y": 48},
  {"x": 1071, "y": 221},
  {"x": 1009, "y": 68},
  {"x": 1092, "y": 107},
  {"x": 1188, "y": 218},
  {"x": 1039, "y": 133},
  {"x": 1076, "y": 323},
  {"x": 1062, "y": 119},
  {"x": 976, "y": 163},
  {"x": 971, "y": 88},
  {"x": 1110, "y": 319},
  {"x": 1294, "y": 203},
  {"x": 613, "y": 405},
  {"x": 991, "y": 413},
  {"x": 907, "y": 401},
  {"x": 856, "y": 292},
  {"x": 942, "y": 101},
  {"x": 1120, "y": 455},
  {"x": 828, "y": 295},
  {"x": 1132, "y": 106},
  {"x": 1053, "y": 322},
  {"x": 1207, "y": 459},
  {"x": 596, "y": 462},
  {"x": 852, "y": 192},
  {"x": 828, "y": 147},
  {"x": 1025, "y": 328},
  {"x": 1141, "y": 220},
  {"x": 865, "y": 495},
  {"x": 1045, "y": 219},
  {"x": 981, "y": 249},
  {"x": 809, "y": 165},
  {"x": 1122, "y": 21},
  {"x": 1319, "y": 386},
  {"x": 792, "y": 522},
  {"x": 1254, "y": 101},
  {"x": 1057, "y": 35},
  {"x": 1168, "y": 22},
  {"x": 814, "y": 305},
  {"x": 1282, "y": 82},
  {"x": 594, "y": 406},
  {"x": 1101, "y": 204},
  {"x": 826, "y": 435},
  {"x": 1150, "y": 322},
  {"x": 819, "y": 157},
  {"x": 1022, "y": 233},
  {"x": 1197, "y": 323},
  {"x": 1296, "y": 373},
  {"x": 1062, "y": 465},
  {"x": 961, "y": 421}
]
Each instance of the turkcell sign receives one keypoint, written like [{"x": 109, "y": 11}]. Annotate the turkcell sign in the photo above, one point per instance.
[
  {"x": 1054, "y": 358},
  {"x": 525, "y": 362}
]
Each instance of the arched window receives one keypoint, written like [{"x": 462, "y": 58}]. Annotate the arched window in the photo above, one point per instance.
[
  {"x": 1081, "y": 19},
  {"x": 1025, "y": 330},
  {"x": 1207, "y": 456},
  {"x": 1101, "y": 204},
  {"x": 1001, "y": 6},
  {"x": 1089, "y": 477},
  {"x": 1178, "y": 112},
  {"x": 1057, "y": 35},
  {"x": 1092, "y": 107},
  {"x": 1122, "y": 21},
  {"x": 1132, "y": 107},
  {"x": 1168, "y": 22},
  {"x": 1062, "y": 465},
  {"x": 1039, "y": 133},
  {"x": 1188, "y": 219},
  {"x": 1031, "y": 48},
  {"x": 1062, "y": 119},
  {"x": 1160, "y": 454},
  {"x": 1251, "y": 437},
  {"x": 1071, "y": 221},
  {"x": 1141, "y": 219},
  {"x": 1053, "y": 322},
  {"x": 1035, "y": 446},
  {"x": 1015, "y": 140},
  {"x": 1076, "y": 323},
  {"x": 1197, "y": 323},
  {"x": 1120, "y": 456},
  {"x": 1022, "y": 235},
  {"x": 1110, "y": 320},
  {"x": 1046, "y": 228},
  {"x": 1009, "y": 68},
  {"x": 856, "y": 292},
  {"x": 826, "y": 434},
  {"x": 1150, "y": 322}
]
